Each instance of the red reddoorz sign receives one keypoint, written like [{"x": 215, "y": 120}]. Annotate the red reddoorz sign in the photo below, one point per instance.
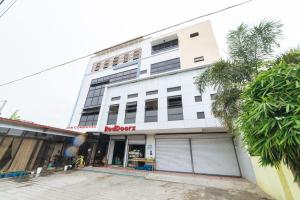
[{"x": 117, "y": 128}]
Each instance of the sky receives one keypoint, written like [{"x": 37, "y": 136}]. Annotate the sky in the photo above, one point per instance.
[{"x": 36, "y": 34}]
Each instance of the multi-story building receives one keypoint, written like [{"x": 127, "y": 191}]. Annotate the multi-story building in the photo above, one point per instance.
[{"x": 138, "y": 99}]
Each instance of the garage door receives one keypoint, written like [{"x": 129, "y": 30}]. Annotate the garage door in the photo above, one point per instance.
[
  {"x": 214, "y": 156},
  {"x": 173, "y": 155}
]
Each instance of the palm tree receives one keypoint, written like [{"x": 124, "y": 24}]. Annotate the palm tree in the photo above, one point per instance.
[{"x": 249, "y": 48}]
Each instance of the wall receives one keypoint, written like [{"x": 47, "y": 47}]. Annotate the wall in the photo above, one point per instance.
[
  {"x": 190, "y": 107},
  {"x": 244, "y": 161},
  {"x": 202, "y": 45},
  {"x": 150, "y": 146},
  {"x": 278, "y": 183}
]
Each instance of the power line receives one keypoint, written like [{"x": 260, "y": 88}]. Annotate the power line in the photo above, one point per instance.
[
  {"x": 7, "y": 7},
  {"x": 82, "y": 57}
]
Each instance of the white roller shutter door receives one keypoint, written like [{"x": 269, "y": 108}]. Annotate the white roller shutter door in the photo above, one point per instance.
[
  {"x": 214, "y": 156},
  {"x": 173, "y": 155}
]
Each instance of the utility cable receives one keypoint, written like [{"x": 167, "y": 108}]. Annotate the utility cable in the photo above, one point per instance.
[
  {"x": 91, "y": 54},
  {"x": 7, "y": 7}
]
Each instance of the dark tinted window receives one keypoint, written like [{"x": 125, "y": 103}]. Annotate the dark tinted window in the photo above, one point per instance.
[
  {"x": 173, "y": 89},
  {"x": 89, "y": 117},
  {"x": 165, "y": 46},
  {"x": 165, "y": 66},
  {"x": 175, "y": 111},
  {"x": 130, "y": 113},
  {"x": 194, "y": 35},
  {"x": 115, "y": 98},
  {"x": 96, "y": 91},
  {"x": 199, "y": 59},
  {"x": 113, "y": 114},
  {"x": 200, "y": 115},
  {"x": 198, "y": 98},
  {"x": 151, "y": 107},
  {"x": 95, "y": 95},
  {"x": 152, "y": 92},
  {"x": 132, "y": 95}
]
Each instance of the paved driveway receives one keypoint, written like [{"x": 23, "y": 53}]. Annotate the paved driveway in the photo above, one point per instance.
[{"x": 87, "y": 185}]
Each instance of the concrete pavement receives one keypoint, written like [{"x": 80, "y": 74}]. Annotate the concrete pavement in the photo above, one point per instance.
[{"x": 106, "y": 185}]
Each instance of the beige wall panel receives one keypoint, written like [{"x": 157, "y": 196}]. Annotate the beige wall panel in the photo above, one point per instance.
[
  {"x": 37, "y": 151},
  {"x": 23, "y": 155},
  {"x": 5, "y": 145},
  {"x": 15, "y": 146},
  {"x": 202, "y": 45}
]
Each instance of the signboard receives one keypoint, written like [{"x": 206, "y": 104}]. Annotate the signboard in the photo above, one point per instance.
[
  {"x": 80, "y": 127},
  {"x": 117, "y": 128}
]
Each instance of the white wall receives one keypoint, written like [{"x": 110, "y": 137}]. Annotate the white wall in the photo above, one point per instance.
[
  {"x": 188, "y": 92},
  {"x": 244, "y": 161}
]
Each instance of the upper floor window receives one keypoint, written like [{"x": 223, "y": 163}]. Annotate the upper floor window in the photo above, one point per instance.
[
  {"x": 166, "y": 45},
  {"x": 132, "y": 95},
  {"x": 125, "y": 58},
  {"x": 94, "y": 96},
  {"x": 152, "y": 92},
  {"x": 165, "y": 66},
  {"x": 89, "y": 117},
  {"x": 106, "y": 64},
  {"x": 194, "y": 34},
  {"x": 213, "y": 96},
  {"x": 115, "y": 61},
  {"x": 175, "y": 110},
  {"x": 130, "y": 112},
  {"x": 173, "y": 89},
  {"x": 198, "y": 98},
  {"x": 136, "y": 54},
  {"x": 113, "y": 114},
  {"x": 151, "y": 107}
]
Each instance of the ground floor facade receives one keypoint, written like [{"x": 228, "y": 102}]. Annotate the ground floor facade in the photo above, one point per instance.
[{"x": 200, "y": 153}]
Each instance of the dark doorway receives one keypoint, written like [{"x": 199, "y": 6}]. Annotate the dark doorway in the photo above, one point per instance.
[{"x": 118, "y": 156}]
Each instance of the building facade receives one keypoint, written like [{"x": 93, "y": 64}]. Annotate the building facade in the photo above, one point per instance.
[
  {"x": 139, "y": 97},
  {"x": 26, "y": 146}
]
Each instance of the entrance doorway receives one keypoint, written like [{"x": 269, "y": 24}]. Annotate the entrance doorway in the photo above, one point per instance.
[{"x": 118, "y": 155}]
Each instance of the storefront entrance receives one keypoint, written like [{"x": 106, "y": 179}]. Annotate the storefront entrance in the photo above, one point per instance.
[{"x": 118, "y": 155}]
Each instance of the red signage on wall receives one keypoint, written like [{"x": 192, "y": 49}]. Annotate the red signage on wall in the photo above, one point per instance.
[{"x": 117, "y": 128}]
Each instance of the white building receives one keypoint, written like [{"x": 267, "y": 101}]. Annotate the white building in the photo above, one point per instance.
[{"x": 140, "y": 97}]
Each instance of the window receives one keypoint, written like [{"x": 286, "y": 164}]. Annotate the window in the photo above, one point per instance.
[
  {"x": 96, "y": 67},
  {"x": 200, "y": 115},
  {"x": 115, "y": 98},
  {"x": 198, "y": 98},
  {"x": 136, "y": 54},
  {"x": 143, "y": 72},
  {"x": 213, "y": 96},
  {"x": 89, "y": 117},
  {"x": 175, "y": 111},
  {"x": 115, "y": 61},
  {"x": 113, "y": 114},
  {"x": 152, "y": 92},
  {"x": 199, "y": 59},
  {"x": 132, "y": 95},
  {"x": 106, "y": 64},
  {"x": 130, "y": 113},
  {"x": 173, "y": 89},
  {"x": 194, "y": 35},
  {"x": 165, "y": 46},
  {"x": 125, "y": 58},
  {"x": 165, "y": 66},
  {"x": 95, "y": 95},
  {"x": 151, "y": 107}
]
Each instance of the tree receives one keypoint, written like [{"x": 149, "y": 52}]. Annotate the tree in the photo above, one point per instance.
[
  {"x": 270, "y": 115},
  {"x": 15, "y": 116},
  {"x": 249, "y": 47}
]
